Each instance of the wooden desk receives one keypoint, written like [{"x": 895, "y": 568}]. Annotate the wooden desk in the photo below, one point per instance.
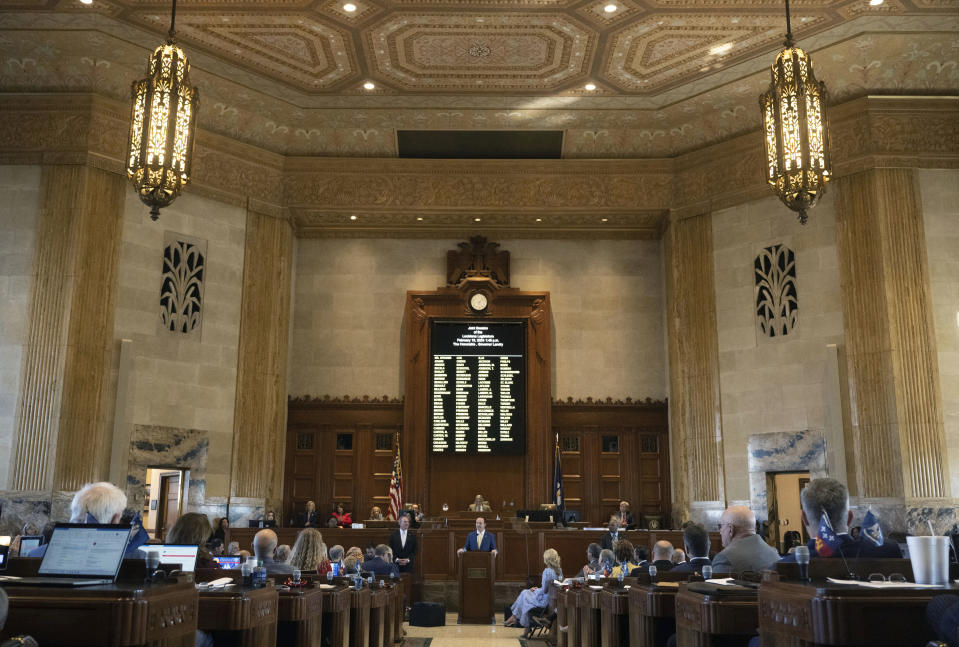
[
  {"x": 336, "y": 617},
  {"x": 704, "y": 620},
  {"x": 588, "y": 606},
  {"x": 360, "y": 602},
  {"x": 240, "y": 616},
  {"x": 614, "y": 628},
  {"x": 397, "y": 609},
  {"x": 652, "y": 614},
  {"x": 379, "y": 608},
  {"x": 300, "y": 617},
  {"x": 801, "y": 615},
  {"x": 125, "y": 613},
  {"x": 566, "y": 616}
]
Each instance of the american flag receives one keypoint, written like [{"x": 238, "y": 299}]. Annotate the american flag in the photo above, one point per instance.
[{"x": 396, "y": 488}]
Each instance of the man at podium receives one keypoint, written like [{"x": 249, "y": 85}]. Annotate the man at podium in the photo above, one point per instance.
[{"x": 479, "y": 539}]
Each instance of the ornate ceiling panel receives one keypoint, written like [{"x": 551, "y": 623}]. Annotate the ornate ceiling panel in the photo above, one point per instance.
[{"x": 477, "y": 51}]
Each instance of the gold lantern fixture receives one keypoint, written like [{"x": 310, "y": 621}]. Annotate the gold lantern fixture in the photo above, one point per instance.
[
  {"x": 162, "y": 126},
  {"x": 795, "y": 129}
]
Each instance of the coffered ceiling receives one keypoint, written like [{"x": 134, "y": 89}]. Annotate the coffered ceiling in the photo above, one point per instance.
[{"x": 669, "y": 75}]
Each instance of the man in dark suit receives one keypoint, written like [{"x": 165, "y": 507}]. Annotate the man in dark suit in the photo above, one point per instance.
[
  {"x": 479, "y": 539},
  {"x": 380, "y": 563},
  {"x": 662, "y": 551},
  {"x": 696, "y": 540},
  {"x": 827, "y": 495},
  {"x": 403, "y": 544},
  {"x": 610, "y": 538}
]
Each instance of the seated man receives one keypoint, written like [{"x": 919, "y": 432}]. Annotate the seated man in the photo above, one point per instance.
[
  {"x": 101, "y": 503},
  {"x": 416, "y": 513},
  {"x": 283, "y": 552},
  {"x": 662, "y": 552},
  {"x": 382, "y": 564},
  {"x": 696, "y": 540},
  {"x": 264, "y": 544},
  {"x": 827, "y": 495},
  {"x": 743, "y": 550},
  {"x": 592, "y": 561},
  {"x": 479, "y": 504}
]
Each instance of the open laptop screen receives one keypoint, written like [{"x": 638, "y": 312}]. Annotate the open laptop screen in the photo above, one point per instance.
[
  {"x": 183, "y": 556},
  {"x": 228, "y": 562},
  {"x": 86, "y": 550}
]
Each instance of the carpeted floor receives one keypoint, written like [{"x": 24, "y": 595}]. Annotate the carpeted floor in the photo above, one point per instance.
[{"x": 416, "y": 642}]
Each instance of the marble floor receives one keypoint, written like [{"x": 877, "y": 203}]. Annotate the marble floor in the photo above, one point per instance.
[{"x": 454, "y": 635}]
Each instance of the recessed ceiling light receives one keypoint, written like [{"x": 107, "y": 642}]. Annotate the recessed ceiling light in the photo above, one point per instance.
[
  {"x": 610, "y": 8},
  {"x": 368, "y": 85},
  {"x": 419, "y": 217},
  {"x": 590, "y": 87},
  {"x": 477, "y": 219},
  {"x": 605, "y": 219},
  {"x": 352, "y": 217},
  {"x": 539, "y": 220},
  {"x": 875, "y": 3},
  {"x": 86, "y": 1},
  {"x": 721, "y": 49},
  {"x": 349, "y": 7}
]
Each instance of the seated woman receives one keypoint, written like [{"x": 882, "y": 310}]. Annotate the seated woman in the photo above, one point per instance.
[
  {"x": 376, "y": 514},
  {"x": 222, "y": 527},
  {"x": 342, "y": 517},
  {"x": 607, "y": 559},
  {"x": 623, "y": 550},
  {"x": 193, "y": 529},
  {"x": 309, "y": 552},
  {"x": 538, "y": 595}
]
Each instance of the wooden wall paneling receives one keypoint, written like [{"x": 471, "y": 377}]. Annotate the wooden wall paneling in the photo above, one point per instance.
[
  {"x": 898, "y": 435},
  {"x": 260, "y": 408},
  {"x": 694, "y": 414}
]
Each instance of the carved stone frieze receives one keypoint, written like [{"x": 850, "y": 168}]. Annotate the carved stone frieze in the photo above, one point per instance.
[
  {"x": 345, "y": 399},
  {"x": 606, "y": 402}
]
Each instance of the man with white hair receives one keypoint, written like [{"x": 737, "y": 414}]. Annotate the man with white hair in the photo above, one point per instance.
[
  {"x": 100, "y": 503},
  {"x": 743, "y": 550}
]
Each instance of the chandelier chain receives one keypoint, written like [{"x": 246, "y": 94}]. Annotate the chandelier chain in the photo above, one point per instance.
[{"x": 173, "y": 17}]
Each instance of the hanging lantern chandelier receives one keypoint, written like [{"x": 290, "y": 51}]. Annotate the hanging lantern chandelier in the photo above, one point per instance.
[
  {"x": 795, "y": 129},
  {"x": 162, "y": 126}
]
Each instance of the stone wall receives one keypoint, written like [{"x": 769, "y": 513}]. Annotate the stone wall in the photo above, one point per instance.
[
  {"x": 20, "y": 197},
  {"x": 785, "y": 384},
  {"x": 606, "y": 296}
]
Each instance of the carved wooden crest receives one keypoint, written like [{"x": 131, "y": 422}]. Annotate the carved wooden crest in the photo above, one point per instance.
[{"x": 478, "y": 257}]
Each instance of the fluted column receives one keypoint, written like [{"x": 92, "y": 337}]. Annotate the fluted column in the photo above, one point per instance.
[
  {"x": 897, "y": 435},
  {"x": 259, "y": 429},
  {"x": 695, "y": 426},
  {"x": 61, "y": 438}
]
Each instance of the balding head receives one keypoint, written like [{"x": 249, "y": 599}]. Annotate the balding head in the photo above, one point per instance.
[
  {"x": 662, "y": 550},
  {"x": 737, "y": 521},
  {"x": 264, "y": 543}
]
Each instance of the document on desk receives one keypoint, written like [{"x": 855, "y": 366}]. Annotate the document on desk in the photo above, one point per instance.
[
  {"x": 884, "y": 585},
  {"x": 725, "y": 581}
]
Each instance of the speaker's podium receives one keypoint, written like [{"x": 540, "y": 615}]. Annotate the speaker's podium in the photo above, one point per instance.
[{"x": 476, "y": 587}]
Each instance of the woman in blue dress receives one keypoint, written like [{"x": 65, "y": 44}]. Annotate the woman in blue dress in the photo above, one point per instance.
[{"x": 538, "y": 596}]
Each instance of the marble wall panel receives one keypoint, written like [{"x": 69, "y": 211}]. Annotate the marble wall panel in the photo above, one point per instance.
[
  {"x": 20, "y": 195},
  {"x": 157, "y": 446}
]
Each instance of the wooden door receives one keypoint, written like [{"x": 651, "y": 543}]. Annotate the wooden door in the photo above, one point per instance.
[{"x": 168, "y": 510}]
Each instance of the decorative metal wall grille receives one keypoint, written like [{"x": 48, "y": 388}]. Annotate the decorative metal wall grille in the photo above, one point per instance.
[
  {"x": 181, "y": 292},
  {"x": 777, "y": 302}
]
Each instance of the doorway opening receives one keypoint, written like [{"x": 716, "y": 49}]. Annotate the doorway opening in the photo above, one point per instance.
[
  {"x": 167, "y": 489},
  {"x": 783, "y": 490}
]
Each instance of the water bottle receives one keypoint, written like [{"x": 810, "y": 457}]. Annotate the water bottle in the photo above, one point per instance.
[
  {"x": 260, "y": 574},
  {"x": 297, "y": 575},
  {"x": 707, "y": 572},
  {"x": 802, "y": 558},
  {"x": 246, "y": 570},
  {"x": 622, "y": 574},
  {"x": 329, "y": 575}
]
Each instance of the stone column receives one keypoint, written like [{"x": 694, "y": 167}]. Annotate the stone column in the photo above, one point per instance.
[
  {"x": 259, "y": 428},
  {"x": 897, "y": 437},
  {"x": 61, "y": 437},
  {"x": 695, "y": 425}
]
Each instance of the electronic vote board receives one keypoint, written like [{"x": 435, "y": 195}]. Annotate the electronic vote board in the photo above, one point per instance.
[{"x": 478, "y": 387}]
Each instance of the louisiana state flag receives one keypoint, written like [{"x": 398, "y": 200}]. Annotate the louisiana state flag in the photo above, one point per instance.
[{"x": 827, "y": 543}]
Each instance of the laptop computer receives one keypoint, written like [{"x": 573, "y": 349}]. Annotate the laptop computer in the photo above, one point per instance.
[
  {"x": 184, "y": 556},
  {"x": 79, "y": 555},
  {"x": 225, "y": 561}
]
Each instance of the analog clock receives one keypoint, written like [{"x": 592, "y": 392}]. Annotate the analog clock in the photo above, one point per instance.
[{"x": 478, "y": 302}]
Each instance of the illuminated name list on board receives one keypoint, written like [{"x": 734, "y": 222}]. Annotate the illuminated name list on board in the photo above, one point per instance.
[{"x": 478, "y": 387}]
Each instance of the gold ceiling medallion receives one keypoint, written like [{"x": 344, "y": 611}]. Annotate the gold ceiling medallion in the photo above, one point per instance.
[
  {"x": 795, "y": 129},
  {"x": 162, "y": 126}
]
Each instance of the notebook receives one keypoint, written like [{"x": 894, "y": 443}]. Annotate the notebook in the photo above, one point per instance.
[
  {"x": 183, "y": 556},
  {"x": 79, "y": 555}
]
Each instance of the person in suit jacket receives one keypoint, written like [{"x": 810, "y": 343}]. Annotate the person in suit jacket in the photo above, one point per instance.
[
  {"x": 403, "y": 544},
  {"x": 609, "y": 539},
  {"x": 662, "y": 551},
  {"x": 743, "y": 550},
  {"x": 479, "y": 539},
  {"x": 479, "y": 504},
  {"x": 696, "y": 540},
  {"x": 309, "y": 518},
  {"x": 380, "y": 564}
]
